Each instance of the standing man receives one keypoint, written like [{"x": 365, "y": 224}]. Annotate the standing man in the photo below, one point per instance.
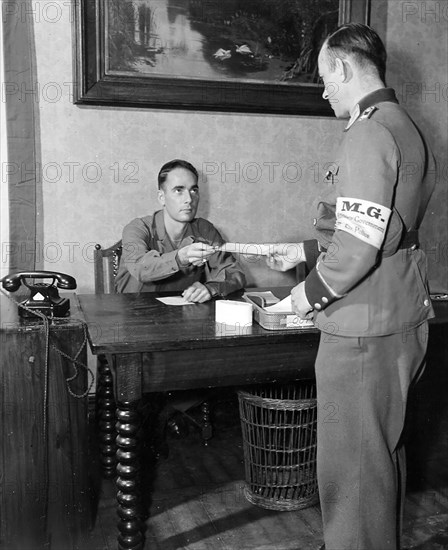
[
  {"x": 174, "y": 250},
  {"x": 367, "y": 291}
]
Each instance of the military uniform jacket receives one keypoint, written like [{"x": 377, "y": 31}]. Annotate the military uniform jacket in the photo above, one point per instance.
[
  {"x": 149, "y": 260},
  {"x": 368, "y": 276}
]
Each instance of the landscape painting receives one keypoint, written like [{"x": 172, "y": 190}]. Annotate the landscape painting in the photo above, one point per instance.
[
  {"x": 256, "y": 56},
  {"x": 254, "y": 40}
]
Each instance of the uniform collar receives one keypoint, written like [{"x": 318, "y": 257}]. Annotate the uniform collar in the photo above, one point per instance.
[
  {"x": 353, "y": 116},
  {"x": 378, "y": 96}
]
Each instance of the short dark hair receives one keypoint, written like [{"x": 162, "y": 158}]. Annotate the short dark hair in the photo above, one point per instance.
[
  {"x": 173, "y": 164},
  {"x": 360, "y": 41}
]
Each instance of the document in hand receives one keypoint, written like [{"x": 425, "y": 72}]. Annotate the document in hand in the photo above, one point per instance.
[{"x": 249, "y": 249}]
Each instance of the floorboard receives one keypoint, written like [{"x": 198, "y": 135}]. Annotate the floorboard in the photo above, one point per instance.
[{"x": 198, "y": 503}]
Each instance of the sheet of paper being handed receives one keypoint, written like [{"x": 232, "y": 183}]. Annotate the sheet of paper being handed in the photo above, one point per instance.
[
  {"x": 293, "y": 252},
  {"x": 248, "y": 249}
]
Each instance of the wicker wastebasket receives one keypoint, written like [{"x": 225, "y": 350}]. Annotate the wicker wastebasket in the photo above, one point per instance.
[{"x": 279, "y": 439}]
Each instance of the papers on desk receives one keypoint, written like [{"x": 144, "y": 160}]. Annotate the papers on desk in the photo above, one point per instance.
[
  {"x": 175, "y": 301},
  {"x": 282, "y": 306},
  {"x": 248, "y": 249},
  {"x": 276, "y": 314},
  {"x": 266, "y": 297}
]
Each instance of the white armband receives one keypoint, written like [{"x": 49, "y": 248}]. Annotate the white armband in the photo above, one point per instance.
[{"x": 365, "y": 220}]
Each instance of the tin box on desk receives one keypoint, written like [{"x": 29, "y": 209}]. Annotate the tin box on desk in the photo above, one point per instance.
[{"x": 275, "y": 320}]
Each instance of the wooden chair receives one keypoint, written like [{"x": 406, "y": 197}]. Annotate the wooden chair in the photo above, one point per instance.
[{"x": 106, "y": 264}]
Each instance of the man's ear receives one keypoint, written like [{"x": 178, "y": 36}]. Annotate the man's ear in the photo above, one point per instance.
[
  {"x": 344, "y": 69},
  {"x": 161, "y": 197},
  {"x": 339, "y": 68}
]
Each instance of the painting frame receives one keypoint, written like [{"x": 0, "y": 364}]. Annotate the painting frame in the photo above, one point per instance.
[{"x": 94, "y": 85}]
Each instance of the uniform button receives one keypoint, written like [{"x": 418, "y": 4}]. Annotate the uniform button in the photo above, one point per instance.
[
  {"x": 324, "y": 300},
  {"x": 426, "y": 302},
  {"x": 317, "y": 306}
]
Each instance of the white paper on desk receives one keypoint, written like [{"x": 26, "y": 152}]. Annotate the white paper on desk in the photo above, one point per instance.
[
  {"x": 174, "y": 301},
  {"x": 268, "y": 297},
  {"x": 284, "y": 306},
  {"x": 248, "y": 249}
]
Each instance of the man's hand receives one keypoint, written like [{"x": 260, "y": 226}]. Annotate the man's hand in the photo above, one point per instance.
[
  {"x": 300, "y": 304},
  {"x": 197, "y": 292},
  {"x": 195, "y": 253},
  {"x": 285, "y": 256}
]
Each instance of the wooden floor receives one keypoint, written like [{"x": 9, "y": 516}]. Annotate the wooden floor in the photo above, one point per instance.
[{"x": 198, "y": 501}]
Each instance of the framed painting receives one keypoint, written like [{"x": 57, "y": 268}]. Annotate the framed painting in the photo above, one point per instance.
[{"x": 256, "y": 56}]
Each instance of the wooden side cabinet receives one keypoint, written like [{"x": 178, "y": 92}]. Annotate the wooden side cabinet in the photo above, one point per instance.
[{"x": 44, "y": 481}]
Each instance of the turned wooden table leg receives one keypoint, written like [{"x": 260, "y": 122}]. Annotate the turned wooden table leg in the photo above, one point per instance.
[
  {"x": 105, "y": 411},
  {"x": 130, "y": 524},
  {"x": 207, "y": 427}
]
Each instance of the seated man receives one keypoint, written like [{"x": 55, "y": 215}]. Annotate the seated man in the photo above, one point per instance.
[{"x": 173, "y": 250}]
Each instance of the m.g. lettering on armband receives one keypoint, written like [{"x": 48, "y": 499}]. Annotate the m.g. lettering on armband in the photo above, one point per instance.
[{"x": 365, "y": 220}]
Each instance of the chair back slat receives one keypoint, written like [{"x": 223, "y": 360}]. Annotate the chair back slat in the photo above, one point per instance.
[{"x": 106, "y": 262}]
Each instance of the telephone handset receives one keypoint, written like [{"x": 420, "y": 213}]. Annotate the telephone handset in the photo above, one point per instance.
[{"x": 44, "y": 297}]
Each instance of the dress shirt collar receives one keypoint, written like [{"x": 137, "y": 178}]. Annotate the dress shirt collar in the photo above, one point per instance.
[{"x": 161, "y": 235}]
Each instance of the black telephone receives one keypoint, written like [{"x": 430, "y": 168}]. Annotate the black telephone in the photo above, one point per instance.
[{"x": 44, "y": 297}]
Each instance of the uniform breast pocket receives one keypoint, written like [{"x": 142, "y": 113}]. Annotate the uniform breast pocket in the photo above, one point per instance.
[{"x": 325, "y": 215}]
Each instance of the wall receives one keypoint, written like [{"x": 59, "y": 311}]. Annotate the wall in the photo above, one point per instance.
[
  {"x": 4, "y": 195},
  {"x": 417, "y": 40},
  {"x": 260, "y": 173}
]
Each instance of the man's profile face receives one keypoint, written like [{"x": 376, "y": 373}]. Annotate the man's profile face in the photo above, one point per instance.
[
  {"x": 333, "y": 91},
  {"x": 180, "y": 195}
]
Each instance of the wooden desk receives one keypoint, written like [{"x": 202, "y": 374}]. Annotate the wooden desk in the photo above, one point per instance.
[
  {"x": 45, "y": 492},
  {"x": 153, "y": 347}
]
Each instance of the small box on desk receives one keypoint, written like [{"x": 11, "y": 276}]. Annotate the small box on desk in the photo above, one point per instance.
[{"x": 272, "y": 319}]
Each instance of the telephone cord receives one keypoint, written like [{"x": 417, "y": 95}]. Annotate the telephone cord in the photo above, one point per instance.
[{"x": 75, "y": 362}]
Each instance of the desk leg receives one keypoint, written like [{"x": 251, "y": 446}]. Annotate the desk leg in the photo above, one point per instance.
[
  {"x": 130, "y": 524},
  {"x": 106, "y": 418}
]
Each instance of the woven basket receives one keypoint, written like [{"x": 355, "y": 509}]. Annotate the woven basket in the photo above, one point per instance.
[{"x": 279, "y": 438}]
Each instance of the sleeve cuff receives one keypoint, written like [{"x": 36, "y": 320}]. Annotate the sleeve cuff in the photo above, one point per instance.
[
  {"x": 317, "y": 293},
  {"x": 213, "y": 288},
  {"x": 311, "y": 249},
  {"x": 180, "y": 265}
]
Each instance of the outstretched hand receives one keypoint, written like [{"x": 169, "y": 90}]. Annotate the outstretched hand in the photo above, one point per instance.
[
  {"x": 285, "y": 256},
  {"x": 196, "y": 253}
]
